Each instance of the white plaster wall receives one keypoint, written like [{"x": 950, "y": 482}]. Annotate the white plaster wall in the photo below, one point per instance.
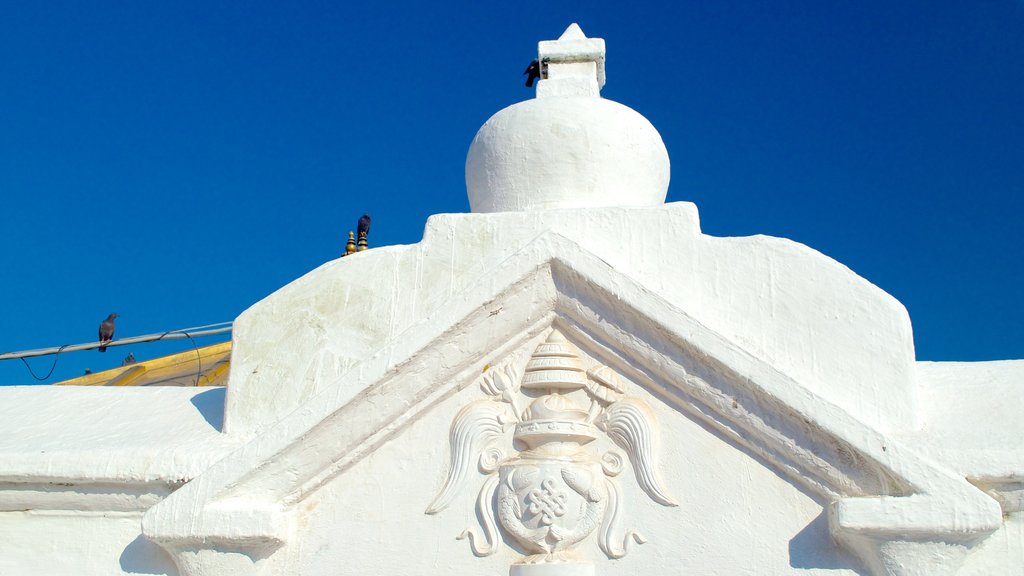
[
  {"x": 80, "y": 465},
  {"x": 131, "y": 435},
  {"x": 566, "y": 152},
  {"x": 802, "y": 312},
  {"x": 735, "y": 516},
  {"x": 972, "y": 416},
  {"x": 1002, "y": 553},
  {"x": 65, "y": 543}
]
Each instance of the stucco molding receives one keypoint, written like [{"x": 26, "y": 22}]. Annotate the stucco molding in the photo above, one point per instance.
[
  {"x": 531, "y": 439},
  {"x": 882, "y": 491}
]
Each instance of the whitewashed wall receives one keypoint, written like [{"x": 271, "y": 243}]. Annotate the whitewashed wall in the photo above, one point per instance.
[
  {"x": 81, "y": 468},
  {"x": 794, "y": 428},
  {"x": 735, "y": 516}
]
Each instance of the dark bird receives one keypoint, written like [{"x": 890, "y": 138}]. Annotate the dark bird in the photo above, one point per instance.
[
  {"x": 129, "y": 359},
  {"x": 532, "y": 73},
  {"x": 364, "y": 226},
  {"x": 107, "y": 331}
]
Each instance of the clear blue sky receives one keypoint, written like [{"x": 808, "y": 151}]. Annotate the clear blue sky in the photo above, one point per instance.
[{"x": 177, "y": 162}]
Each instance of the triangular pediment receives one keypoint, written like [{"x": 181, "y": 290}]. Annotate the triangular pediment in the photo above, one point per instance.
[{"x": 553, "y": 282}]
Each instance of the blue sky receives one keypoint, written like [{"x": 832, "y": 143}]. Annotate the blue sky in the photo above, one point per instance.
[{"x": 176, "y": 163}]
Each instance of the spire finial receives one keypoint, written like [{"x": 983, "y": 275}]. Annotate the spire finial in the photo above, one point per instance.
[
  {"x": 573, "y": 65},
  {"x": 573, "y": 32},
  {"x": 350, "y": 247},
  {"x": 568, "y": 147}
]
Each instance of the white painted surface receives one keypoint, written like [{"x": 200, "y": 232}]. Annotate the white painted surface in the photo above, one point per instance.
[
  {"x": 972, "y": 414},
  {"x": 121, "y": 434},
  {"x": 37, "y": 543},
  {"x": 1002, "y": 553},
  {"x": 573, "y": 48},
  {"x": 805, "y": 314},
  {"x": 734, "y": 517},
  {"x": 566, "y": 152},
  {"x": 79, "y": 466},
  {"x": 878, "y": 486},
  {"x": 787, "y": 400},
  {"x": 568, "y": 148}
]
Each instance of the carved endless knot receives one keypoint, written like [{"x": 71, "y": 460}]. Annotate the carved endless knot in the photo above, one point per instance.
[{"x": 547, "y": 501}]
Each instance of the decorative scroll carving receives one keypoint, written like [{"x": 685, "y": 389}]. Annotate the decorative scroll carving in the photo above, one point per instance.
[
  {"x": 608, "y": 541},
  {"x": 474, "y": 427},
  {"x": 557, "y": 491},
  {"x": 627, "y": 423},
  {"x": 483, "y": 507}
]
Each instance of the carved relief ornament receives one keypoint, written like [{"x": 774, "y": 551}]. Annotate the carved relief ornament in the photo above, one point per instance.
[{"x": 555, "y": 491}]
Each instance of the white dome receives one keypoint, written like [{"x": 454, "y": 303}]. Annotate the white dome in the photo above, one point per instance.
[{"x": 566, "y": 152}]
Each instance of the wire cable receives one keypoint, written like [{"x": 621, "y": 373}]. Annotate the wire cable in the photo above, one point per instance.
[
  {"x": 199, "y": 357},
  {"x": 207, "y": 330},
  {"x": 53, "y": 367},
  {"x": 190, "y": 333}
]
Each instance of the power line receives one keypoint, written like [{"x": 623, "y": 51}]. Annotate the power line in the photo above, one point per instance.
[{"x": 207, "y": 330}]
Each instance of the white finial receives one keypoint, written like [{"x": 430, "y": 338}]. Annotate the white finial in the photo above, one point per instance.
[
  {"x": 573, "y": 65},
  {"x": 573, "y": 32},
  {"x": 568, "y": 147}
]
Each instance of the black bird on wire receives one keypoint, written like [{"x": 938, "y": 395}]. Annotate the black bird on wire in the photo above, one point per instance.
[
  {"x": 532, "y": 73},
  {"x": 107, "y": 331},
  {"x": 363, "y": 228}
]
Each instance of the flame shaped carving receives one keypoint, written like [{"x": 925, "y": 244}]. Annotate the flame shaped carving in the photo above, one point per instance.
[
  {"x": 483, "y": 507},
  {"x": 627, "y": 423},
  {"x": 609, "y": 540},
  {"x": 474, "y": 427}
]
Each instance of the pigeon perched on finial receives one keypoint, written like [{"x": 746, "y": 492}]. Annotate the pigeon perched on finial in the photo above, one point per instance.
[
  {"x": 107, "y": 331},
  {"x": 129, "y": 359},
  {"x": 363, "y": 228},
  {"x": 532, "y": 73}
]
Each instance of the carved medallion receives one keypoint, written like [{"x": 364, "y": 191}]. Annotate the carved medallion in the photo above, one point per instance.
[{"x": 556, "y": 491}]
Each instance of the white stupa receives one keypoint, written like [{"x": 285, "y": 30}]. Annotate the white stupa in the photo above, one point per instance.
[
  {"x": 571, "y": 380},
  {"x": 568, "y": 147}
]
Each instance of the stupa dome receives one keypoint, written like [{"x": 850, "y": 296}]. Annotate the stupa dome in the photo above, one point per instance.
[{"x": 568, "y": 147}]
